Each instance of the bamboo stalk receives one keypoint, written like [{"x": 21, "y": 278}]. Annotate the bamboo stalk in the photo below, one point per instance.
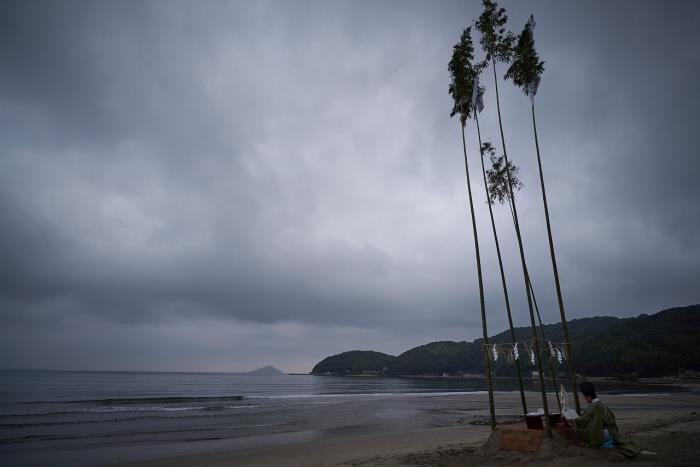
[
  {"x": 524, "y": 266},
  {"x": 487, "y": 360},
  {"x": 500, "y": 266},
  {"x": 539, "y": 319},
  {"x": 544, "y": 336},
  {"x": 565, "y": 327}
]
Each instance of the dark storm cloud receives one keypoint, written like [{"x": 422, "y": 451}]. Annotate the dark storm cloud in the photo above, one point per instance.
[{"x": 282, "y": 181}]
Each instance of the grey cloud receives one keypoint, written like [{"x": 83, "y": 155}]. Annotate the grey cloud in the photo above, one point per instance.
[{"x": 289, "y": 173}]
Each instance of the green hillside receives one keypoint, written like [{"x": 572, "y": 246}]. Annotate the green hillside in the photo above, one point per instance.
[
  {"x": 649, "y": 345},
  {"x": 440, "y": 357},
  {"x": 354, "y": 362}
]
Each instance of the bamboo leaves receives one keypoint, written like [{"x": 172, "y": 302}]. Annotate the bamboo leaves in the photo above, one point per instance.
[
  {"x": 464, "y": 75},
  {"x": 496, "y": 41},
  {"x": 526, "y": 68},
  {"x": 497, "y": 176}
]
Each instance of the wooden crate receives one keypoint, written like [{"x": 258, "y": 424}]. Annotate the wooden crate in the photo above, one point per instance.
[{"x": 520, "y": 438}]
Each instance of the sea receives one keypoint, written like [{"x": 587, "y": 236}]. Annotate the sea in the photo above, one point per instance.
[{"x": 94, "y": 417}]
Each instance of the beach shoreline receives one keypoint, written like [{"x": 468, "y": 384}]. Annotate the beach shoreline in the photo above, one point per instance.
[
  {"x": 670, "y": 426},
  {"x": 160, "y": 419}
]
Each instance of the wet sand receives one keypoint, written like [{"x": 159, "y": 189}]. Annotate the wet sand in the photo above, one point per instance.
[{"x": 450, "y": 431}]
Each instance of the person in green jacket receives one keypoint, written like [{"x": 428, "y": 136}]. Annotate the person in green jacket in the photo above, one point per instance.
[{"x": 597, "y": 426}]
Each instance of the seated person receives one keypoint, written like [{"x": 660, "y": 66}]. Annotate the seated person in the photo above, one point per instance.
[{"x": 597, "y": 426}]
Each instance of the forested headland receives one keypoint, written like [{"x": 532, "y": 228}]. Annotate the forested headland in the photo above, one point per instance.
[{"x": 647, "y": 346}]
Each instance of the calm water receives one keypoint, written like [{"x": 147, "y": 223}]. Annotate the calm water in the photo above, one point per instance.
[{"x": 69, "y": 418}]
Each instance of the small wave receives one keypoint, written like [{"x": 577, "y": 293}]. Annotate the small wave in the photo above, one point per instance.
[
  {"x": 251, "y": 406},
  {"x": 371, "y": 394},
  {"x": 76, "y": 422},
  {"x": 146, "y": 400},
  {"x": 90, "y": 435},
  {"x": 99, "y": 410},
  {"x": 212, "y": 404}
]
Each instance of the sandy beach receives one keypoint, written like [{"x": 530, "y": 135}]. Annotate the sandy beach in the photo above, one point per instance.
[{"x": 667, "y": 424}]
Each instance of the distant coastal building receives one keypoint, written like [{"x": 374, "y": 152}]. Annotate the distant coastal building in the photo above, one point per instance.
[{"x": 381, "y": 372}]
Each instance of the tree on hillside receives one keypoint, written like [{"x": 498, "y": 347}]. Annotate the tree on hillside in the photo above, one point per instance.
[
  {"x": 463, "y": 72},
  {"x": 526, "y": 71},
  {"x": 497, "y": 43}
]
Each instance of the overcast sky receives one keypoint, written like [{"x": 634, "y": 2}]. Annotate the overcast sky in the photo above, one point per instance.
[{"x": 222, "y": 185}]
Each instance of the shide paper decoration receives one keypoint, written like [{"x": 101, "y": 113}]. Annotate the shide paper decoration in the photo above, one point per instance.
[
  {"x": 510, "y": 352},
  {"x": 477, "y": 97}
]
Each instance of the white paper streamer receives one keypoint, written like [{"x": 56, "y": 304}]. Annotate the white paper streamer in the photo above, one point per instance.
[
  {"x": 563, "y": 399},
  {"x": 531, "y": 89},
  {"x": 515, "y": 351},
  {"x": 495, "y": 353},
  {"x": 551, "y": 348},
  {"x": 477, "y": 97},
  {"x": 531, "y": 22},
  {"x": 532, "y": 357}
]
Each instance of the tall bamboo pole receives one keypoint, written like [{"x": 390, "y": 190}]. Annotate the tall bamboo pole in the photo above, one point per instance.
[
  {"x": 487, "y": 360},
  {"x": 500, "y": 266},
  {"x": 552, "y": 369},
  {"x": 565, "y": 327},
  {"x": 522, "y": 259},
  {"x": 539, "y": 320}
]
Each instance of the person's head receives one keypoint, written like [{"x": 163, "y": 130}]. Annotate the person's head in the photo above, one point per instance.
[{"x": 588, "y": 391}]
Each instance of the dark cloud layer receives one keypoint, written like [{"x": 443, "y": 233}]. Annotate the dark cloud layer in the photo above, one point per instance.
[{"x": 220, "y": 185}]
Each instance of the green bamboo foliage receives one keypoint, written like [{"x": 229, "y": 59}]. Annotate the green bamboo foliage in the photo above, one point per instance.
[
  {"x": 526, "y": 72},
  {"x": 497, "y": 44},
  {"x": 526, "y": 68},
  {"x": 463, "y": 73},
  {"x": 497, "y": 178},
  {"x": 496, "y": 41}
]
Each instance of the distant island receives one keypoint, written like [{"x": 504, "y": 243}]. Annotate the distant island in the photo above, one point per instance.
[
  {"x": 662, "y": 344},
  {"x": 264, "y": 371}
]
